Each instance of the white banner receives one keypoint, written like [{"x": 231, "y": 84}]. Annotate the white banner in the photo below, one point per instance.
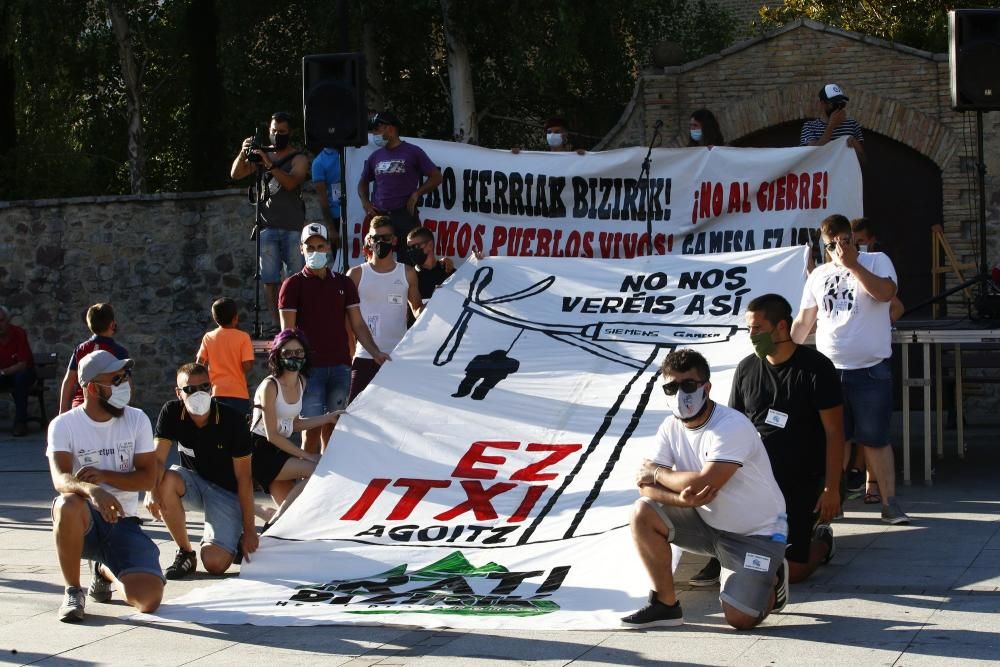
[
  {"x": 568, "y": 205},
  {"x": 486, "y": 476}
]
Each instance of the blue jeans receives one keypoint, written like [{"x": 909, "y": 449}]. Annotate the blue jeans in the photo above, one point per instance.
[
  {"x": 277, "y": 247},
  {"x": 121, "y": 546},
  {"x": 867, "y": 403},
  {"x": 326, "y": 390},
  {"x": 223, "y": 514}
]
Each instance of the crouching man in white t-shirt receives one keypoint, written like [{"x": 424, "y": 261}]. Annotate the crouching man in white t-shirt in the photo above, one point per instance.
[
  {"x": 101, "y": 455},
  {"x": 708, "y": 488}
]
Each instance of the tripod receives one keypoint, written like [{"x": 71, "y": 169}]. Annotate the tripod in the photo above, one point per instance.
[{"x": 258, "y": 195}]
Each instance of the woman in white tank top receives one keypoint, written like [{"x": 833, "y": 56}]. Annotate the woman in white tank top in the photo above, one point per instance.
[{"x": 279, "y": 466}]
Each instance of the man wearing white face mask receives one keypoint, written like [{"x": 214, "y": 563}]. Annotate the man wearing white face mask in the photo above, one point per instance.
[
  {"x": 557, "y": 136},
  {"x": 214, "y": 475},
  {"x": 707, "y": 487},
  {"x": 100, "y": 455}
]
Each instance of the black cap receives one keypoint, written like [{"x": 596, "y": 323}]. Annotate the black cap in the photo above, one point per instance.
[{"x": 386, "y": 118}]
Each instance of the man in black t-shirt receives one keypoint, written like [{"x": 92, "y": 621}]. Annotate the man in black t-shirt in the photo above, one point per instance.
[
  {"x": 214, "y": 475},
  {"x": 431, "y": 271},
  {"x": 792, "y": 395}
]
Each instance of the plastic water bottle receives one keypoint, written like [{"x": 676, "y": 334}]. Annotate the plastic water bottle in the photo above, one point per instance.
[{"x": 780, "y": 531}]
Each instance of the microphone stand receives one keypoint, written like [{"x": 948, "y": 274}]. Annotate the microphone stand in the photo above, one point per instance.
[
  {"x": 644, "y": 172},
  {"x": 258, "y": 195}
]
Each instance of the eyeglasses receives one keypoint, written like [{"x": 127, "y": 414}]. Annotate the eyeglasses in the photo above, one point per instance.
[
  {"x": 833, "y": 244},
  {"x": 293, "y": 354},
  {"x": 382, "y": 237},
  {"x": 195, "y": 388},
  {"x": 687, "y": 386}
]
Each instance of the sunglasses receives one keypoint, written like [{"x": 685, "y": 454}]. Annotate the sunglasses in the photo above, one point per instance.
[
  {"x": 833, "y": 244},
  {"x": 293, "y": 354},
  {"x": 687, "y": 386},
  {"x": 121, "y": 377},
  {"x": 417, "y": 246},
  {"x": 195, "y": 388},
  {"x": 382, "y": 237}
]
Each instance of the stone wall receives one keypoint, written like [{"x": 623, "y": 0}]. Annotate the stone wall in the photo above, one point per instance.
[
  {"x": 160, "y": 259},
  {"x": 897, "y": 91}
]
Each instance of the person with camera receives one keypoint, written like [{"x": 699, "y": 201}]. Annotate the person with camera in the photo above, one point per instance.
[
  {"x": 402, "y": 174},
  {"x": 833, "y": 123},
  {"x": 283, "y": 214}
]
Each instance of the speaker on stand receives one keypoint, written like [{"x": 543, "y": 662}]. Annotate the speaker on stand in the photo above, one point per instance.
[
  {"x": 335, "y": 113},
  {"x": 974, "y": 67}
]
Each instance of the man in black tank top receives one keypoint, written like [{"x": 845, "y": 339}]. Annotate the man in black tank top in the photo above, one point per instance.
[{"x": 431, "y": 271}]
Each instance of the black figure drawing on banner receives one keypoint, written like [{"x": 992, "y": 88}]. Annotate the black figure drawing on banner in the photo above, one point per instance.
[{"x": 599, "y": 339}]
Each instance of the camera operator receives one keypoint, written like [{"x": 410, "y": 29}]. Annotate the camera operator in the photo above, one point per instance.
[
  {"x": 833, "y": 123},
  {"x": 282, "y": 209}
]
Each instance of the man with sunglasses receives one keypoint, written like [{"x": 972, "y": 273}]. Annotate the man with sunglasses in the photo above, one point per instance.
[
  {"x": 214, "y": 476},
  {"x": 402, "y": 174},
  {"x": 707, "y": 487},
  {"x": 100, "y": 456},
  {"x": 385, "y": 287},
  {"x": 848, "y": 300},
  {"x": 431, "y": 271}
]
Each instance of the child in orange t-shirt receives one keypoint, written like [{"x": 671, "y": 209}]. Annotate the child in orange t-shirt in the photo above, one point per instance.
[{"x": 228, "y": 353}]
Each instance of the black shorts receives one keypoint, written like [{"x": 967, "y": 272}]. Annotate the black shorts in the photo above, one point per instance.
[
  {"x": 267, "y": 461},
  {"x": 800, "y": 501}
]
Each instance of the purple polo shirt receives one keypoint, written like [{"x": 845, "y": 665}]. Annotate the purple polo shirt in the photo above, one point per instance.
[
  {"x": 320, "y": 306},
  {"x": 397, "y": 173}
]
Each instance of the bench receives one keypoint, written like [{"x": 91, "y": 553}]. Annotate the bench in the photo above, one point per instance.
[{"x": 46, "y": 368}]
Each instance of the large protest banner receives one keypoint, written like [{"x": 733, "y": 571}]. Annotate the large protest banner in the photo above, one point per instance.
[
  {"x": 485, "y": 477},
  {"x": 568, "y": 205}
]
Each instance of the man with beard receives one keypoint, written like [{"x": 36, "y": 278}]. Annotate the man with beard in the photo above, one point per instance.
[{"x": 100, "y": 456}]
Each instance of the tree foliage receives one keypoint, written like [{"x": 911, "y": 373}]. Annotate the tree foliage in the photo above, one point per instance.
[
  {"x": 212, "y": 70},
  {"x": 922, "y": 24}
]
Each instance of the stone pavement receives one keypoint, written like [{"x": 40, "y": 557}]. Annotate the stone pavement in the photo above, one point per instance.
[{"x": 928, "y": 593}]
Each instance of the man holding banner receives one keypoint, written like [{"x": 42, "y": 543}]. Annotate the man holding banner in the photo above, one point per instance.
[{"x": 708, "y": 488}]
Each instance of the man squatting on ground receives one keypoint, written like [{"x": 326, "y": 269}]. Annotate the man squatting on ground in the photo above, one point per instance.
[
  {"x": 214, "y": 476},
  {"x": 707, "y": 487},
  {"x": 100, "y": 456}
]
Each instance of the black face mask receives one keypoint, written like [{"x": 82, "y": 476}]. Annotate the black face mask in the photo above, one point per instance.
[
  {"x": 280, "y": 140},
  {"x": 416, "y": 256},
  {"x": 382, "y": 249}
]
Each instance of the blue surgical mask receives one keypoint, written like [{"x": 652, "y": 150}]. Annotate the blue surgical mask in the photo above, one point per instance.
[
  {"x": 696, "y": 135},
  {"x": 379, "y": 140},
  {"x": 555, "y": 139},
  {"x": 316, "y": 260}
]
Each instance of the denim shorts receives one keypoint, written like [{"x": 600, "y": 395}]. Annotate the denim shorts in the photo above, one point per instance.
[
  {"x": 223, "y": 516},
  {"x": 867, "y": 404},
  {"x": 277, "y": 247},
  {"x": 749, "y": 562},
  {"x": 326, "y": 390},
  {"x": 122, "y": 546}
]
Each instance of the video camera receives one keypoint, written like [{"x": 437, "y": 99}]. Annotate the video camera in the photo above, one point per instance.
[{"x": 257, "y": 144}]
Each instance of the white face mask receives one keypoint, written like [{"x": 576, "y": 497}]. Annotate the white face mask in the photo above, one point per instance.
[
  {"x": 684, "y": 405},
  {"x": 316, "y": 260},
  {"x": 198, "y": 403},
  {"x": 555, "y": 139},
  {"x": 379, "y": 140},
  {"x": 120, "y": 395},
  {"x": 862, "y": 247}
]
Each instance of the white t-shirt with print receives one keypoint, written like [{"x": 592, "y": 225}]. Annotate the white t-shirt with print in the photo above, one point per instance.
[
  {"x": 749, "y": 503},
  {"x": 110, "y": 445},
  {"x": 853, "y": 329}
]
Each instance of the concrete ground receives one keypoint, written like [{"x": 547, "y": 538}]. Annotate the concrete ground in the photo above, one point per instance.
[{"x": 905, "y": 595}]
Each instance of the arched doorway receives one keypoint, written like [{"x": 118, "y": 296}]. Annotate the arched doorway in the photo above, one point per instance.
[{"x": 902, "y": 197}]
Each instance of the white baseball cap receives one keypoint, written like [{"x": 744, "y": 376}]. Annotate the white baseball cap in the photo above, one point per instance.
[
  {"x": 314, "y": 229},
  {"x": 832, "y": 91}
]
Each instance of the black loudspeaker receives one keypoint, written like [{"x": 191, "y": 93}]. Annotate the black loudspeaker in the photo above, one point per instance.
[
  {"x": 974, "y": 59},
  {"x": 333, "y": 100}
]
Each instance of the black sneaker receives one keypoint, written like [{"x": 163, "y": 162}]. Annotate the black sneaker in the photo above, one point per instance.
[
  {"x": 184, "y": 564},
  {"x": 100, "y": 586},
  {"x": 708, "y": 575},
  {"x": 824, "y": 533},
  {"x": 655, "y": 615},
  {"x": 855, "y": 480},
  {"x": 71, "y": 610},
  {"x": 781, "y": 589}
]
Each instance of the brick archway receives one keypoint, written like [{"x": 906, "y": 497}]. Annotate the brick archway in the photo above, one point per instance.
[{"x": 879, "y": 114}]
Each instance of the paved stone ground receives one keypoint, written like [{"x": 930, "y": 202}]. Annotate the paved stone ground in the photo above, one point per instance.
[{"x": 906, "y": 595}]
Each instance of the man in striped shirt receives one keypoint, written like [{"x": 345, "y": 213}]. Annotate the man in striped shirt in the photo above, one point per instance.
[{"x": 833, "y": 123}]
